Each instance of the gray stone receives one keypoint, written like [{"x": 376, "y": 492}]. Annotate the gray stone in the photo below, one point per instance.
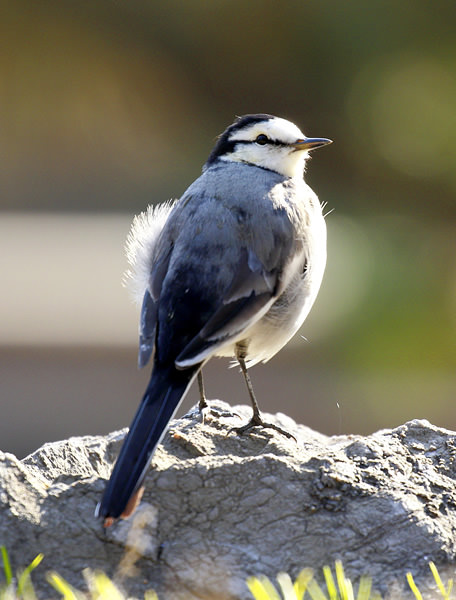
[{"x": 220, "y": 507}]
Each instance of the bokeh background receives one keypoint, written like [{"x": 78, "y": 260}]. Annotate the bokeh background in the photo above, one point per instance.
[{"x": 108, "y": 106}]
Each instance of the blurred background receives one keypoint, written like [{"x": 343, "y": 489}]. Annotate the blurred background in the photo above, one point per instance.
[{"x": 108, "y": 106}]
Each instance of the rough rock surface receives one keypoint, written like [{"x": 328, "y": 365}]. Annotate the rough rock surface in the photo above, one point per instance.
[{"x": 220, "y": 507}]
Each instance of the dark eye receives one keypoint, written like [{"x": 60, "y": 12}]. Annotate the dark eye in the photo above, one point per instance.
[{"x": 262, "y": 139}]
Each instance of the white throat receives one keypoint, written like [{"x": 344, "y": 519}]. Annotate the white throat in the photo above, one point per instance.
[{"x": 278, "y": 159}]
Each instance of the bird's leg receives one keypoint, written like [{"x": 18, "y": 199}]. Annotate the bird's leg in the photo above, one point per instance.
[
  {"x": 256, "y": 420},
  {"x": 203, "y": 400},
  {"x": 203, "y": 405}
]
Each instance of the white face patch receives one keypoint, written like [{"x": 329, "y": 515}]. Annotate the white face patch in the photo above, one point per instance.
[
  {"x": 276, "y": 129},
  {"x": 278, "y": 156}
]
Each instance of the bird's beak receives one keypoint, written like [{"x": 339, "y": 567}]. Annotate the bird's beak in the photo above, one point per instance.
[{"x": 310, "y": 143}]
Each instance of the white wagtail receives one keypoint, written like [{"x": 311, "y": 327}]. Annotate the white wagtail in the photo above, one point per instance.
[{"x": 231, "y": 269}]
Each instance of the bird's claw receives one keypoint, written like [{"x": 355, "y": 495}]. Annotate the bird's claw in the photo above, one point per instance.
[
  {"x": 205, "y": 409},
  {"x": 257, "y": 421}
]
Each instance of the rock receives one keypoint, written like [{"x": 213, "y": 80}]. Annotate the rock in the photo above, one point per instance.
[{"x": 220, "y": 507}]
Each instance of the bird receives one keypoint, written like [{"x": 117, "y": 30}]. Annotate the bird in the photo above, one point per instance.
[{"x": 231, "y": 269}]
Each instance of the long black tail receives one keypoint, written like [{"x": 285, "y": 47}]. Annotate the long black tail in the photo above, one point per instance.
[{"x": 166, "y": 389}]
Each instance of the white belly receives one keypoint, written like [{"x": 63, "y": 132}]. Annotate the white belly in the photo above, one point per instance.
[{"x": 286, "y": 315}]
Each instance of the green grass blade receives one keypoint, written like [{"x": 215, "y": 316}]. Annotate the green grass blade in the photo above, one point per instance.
[
  {"x": 315, "y": 591},
  {"x": 62, "y": 586},
  {"x": 6, "y": 566},
  {"x": 301, "y": 583},
  {"x": 330, "y": 583},
  {"x": 256, "y": 588},
  {"x": 103, "y": 588},
  {"x": 26, "y": 589},
  {"x": 344, "y": 584},
  {"x": 348, "y": 590},
  {"x": 364, "y": 588},
  {"x": 413, "y": 586},
  {"x": 24, "y": 582},
  {"x": 262, "y": 589},
  {"x": 8, "y": 593},
  {"x": 445, "y": 592},
  {"x": 286, "y": 586}
]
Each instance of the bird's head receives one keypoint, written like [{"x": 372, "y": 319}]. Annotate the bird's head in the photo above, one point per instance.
[{"x": 265, "y": 141}]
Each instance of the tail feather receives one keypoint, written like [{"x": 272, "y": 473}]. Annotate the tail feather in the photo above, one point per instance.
[{"x": 163, "y": 395}]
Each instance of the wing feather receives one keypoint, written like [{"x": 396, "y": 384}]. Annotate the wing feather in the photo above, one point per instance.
[{"x": 249, "y": 297}]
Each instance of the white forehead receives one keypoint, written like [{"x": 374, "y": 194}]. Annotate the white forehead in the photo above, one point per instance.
[{"x": 276, "y": 129}]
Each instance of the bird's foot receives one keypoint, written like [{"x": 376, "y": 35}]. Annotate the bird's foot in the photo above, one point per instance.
[
  {"x": 257, "y": 421},
  {"x": 205, "y": 409}
]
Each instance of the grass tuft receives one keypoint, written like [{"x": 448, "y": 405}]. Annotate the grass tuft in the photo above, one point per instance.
[
  {"x": 101, "y": 587},
  {"x": 24, "y": 587},
  {"x": 338, "y": 588}
]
